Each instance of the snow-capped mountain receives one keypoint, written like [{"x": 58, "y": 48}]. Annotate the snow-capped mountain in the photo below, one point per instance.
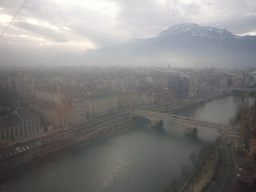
[
  {"x": 187, "y": 44},
  {"x": 191, "y": 29}
]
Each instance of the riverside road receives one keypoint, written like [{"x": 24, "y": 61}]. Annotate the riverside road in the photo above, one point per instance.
[{"x": 227, "y": 174}]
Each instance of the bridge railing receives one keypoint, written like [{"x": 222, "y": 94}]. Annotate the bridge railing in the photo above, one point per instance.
[{"x": 177, "y": 118}]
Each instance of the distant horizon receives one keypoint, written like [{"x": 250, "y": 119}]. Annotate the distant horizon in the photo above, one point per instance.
[{"x": 55, "y": 32}]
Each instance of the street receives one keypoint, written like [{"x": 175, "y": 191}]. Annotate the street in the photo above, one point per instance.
[{"x": 226, "y": 178}]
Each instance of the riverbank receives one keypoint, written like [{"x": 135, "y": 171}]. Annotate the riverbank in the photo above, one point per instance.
[
  {"x": 40, "y": 156},
  {"x": 89, "y": 135},
  {"x": 207, "y": 172},
  {"x": 141, "y": 159}
]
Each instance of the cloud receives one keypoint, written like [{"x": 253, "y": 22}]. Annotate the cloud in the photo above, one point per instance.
[
  {"x": 147, "y": 18},
  {"x": 42, "y": 31},
  {"x": 77, "y": 25}
]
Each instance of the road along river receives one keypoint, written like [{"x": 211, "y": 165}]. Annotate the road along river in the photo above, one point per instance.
[{"x": 139, "y": 159}]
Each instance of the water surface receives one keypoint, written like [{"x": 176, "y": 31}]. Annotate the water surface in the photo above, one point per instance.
[{"x": 140, "y": 159}]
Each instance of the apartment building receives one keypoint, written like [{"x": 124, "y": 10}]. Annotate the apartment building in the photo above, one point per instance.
[
  {"x": 54, "y": 115},
  {"x": 20, "y": 124},
  {"x": 128, "y": 100},
  {"x": 60, "y": 116},
  {"x": 79, "y": 108},
  {"x": 52, "y": 95},
  {"x": 100, "y": 103}
]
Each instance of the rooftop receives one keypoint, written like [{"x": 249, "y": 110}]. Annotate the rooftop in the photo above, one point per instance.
[
  {"x": 51, "y": 105},
  {"x": 25, "y": 113},
  {"x": 16, "y": 117},
  {"x": 9, "y": 121}
]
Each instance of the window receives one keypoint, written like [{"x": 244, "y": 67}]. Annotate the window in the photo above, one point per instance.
[
  {"x": 21, "y": 131},
  {"x": 12, "y": 134},
  {"x": 2, "y": 133},
  {"x": 16, "y": 131},
  {"x": 7, "y": 133}
]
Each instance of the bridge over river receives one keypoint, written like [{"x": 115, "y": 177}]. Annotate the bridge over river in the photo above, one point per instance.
[{"x": 156, "y": 117}]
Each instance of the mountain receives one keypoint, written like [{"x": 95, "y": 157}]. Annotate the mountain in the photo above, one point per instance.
[{"x": 187, "y": 44}]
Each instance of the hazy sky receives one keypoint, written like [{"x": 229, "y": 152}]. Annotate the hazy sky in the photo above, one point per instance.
[{"x": 78, "y": 25}]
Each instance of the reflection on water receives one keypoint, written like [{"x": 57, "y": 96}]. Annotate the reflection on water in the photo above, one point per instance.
[{"x": 140, "y": 159}]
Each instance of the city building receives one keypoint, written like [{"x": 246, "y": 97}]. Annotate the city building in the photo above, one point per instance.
[
  {"x": 146, "y": 98},
  {"x": 21, "y": 123},
  {"x": 52, "y": 95},
  {"x": 79, "y": 107},
  {"x": 128, "y": 100},
  {"x": 179, "y": 86},
  {"x": 192, "y": 85},
  {"x": 58, "y": 116},
  {"x": 54, "y": 115},
  {"x": 100, "y": 103}
]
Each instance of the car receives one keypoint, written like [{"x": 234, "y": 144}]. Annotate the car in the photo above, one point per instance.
[
  {"x": 27, "y": 147},
  {"x": 23, "y": 148},
  {"x": 17, "y": 150},
  {"x": 187, "y": 119},
  {"x": 174, "y": 116}
]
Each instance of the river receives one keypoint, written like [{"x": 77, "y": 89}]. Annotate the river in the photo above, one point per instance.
[{"x": 139, "y": 159}]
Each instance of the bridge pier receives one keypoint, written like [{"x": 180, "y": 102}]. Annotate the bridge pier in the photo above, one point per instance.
[
  {"x": 157, "y": 119},
  {"x": 157, "y": 123},
  {"x": 154, "y": 122}
]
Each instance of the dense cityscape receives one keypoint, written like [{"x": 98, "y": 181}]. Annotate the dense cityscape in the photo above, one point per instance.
[
  {"x": 48, "y": 111},
  {"x": 127, "y": 96}
]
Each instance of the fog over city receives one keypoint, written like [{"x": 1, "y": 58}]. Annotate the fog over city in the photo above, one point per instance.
[
  {"x": 56, "y": 33},
  {"x": 123, "y": 95}
]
